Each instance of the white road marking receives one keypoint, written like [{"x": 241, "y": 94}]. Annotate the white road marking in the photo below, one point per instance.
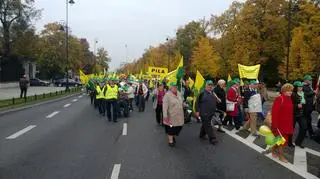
[
  {"x": 75, "y": 100},
  {"x": 53, "y": 114},
  {"x": 80, "y": 96},
  {"x": 251, "y": 138},
  {"x": 300, "y": 158},
  {"x": 125, "y": 129},
  {"x": 66, "y": 105},
  {"x": 296, "y": 169},
  {"x": 21, "y": 132},
  {"x": 115, "y": 171}
]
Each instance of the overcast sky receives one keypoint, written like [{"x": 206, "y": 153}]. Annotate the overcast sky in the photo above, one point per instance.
[{"x": 137, "y": 23}]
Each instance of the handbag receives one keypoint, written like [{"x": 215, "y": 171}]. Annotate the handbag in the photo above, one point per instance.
[{"x": 230, "y": 106}]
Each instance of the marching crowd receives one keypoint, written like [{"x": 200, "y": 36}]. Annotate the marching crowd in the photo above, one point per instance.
[{"x": 223, "y": 104}]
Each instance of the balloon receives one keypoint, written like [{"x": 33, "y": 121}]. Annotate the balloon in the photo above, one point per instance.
[
  {"x": 269, "y": 140},
  {"x": 265, "y": 130}
]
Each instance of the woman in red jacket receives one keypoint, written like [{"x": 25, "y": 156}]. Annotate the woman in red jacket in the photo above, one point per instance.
[
  {"x": 233, "y": 98},
  {"x": 282, "y": 118}
]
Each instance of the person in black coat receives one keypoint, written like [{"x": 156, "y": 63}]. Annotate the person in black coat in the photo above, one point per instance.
[
  {"x": 309, "y": 96},
  {"x": 298, "y": 105},
  {"x": 219, "y": 90}
]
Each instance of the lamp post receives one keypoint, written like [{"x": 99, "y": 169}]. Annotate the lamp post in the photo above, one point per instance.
[
  {"x": 67, "y": 42},
  {"x": 289, "y": 38}
]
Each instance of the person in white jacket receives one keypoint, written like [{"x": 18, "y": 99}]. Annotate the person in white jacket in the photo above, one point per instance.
[
  {"x": 130, "y": 93},
  {"x": 141, "y": 92}
]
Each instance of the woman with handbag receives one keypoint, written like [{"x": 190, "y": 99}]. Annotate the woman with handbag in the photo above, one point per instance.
[
  {"x": 282, "y": 119},
  {"x": 173, "y": 116},
  {"x": 232, "y": 105},
  {"x": 157, "y": 98}
]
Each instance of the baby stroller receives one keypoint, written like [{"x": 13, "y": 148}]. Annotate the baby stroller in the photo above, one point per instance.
[
  {"x": 217, "y": 119},
  {"x": 124, "y": 107},
  {"x": 123, "y": 104},
  {"x": 188, "y": 110}
]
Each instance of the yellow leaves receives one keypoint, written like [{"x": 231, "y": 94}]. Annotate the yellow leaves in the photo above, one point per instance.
[
  {"x": 301, "y": 59},
  {"x": 205, "y": 58}
]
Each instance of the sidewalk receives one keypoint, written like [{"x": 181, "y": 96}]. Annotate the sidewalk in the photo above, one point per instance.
[
  {"x": 9, "y": 85},
  {"x": 10, "y": 92}
]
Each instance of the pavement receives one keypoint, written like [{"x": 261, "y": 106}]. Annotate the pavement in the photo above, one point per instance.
[
  {"x": 8, "y": 93},
  {"x": 68, "y": 139}
]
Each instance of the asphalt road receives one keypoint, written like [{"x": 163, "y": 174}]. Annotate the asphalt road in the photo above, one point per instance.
[{"x": 69, "y": 140}]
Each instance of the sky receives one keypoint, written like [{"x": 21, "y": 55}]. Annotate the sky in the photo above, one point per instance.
[{"x": 136, "y": 24}]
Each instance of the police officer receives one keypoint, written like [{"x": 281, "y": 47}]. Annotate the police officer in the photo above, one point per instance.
[
  {"x": 112, "y": 96},
  {"x": 99, "y": 97},
  {"x": 205, "y": 109}
]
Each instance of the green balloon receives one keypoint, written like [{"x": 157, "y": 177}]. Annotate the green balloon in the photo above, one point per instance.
[{"x": 269, "y": 139}]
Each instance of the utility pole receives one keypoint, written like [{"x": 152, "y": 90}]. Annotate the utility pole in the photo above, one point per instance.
[{"x": 289, "y": 38}]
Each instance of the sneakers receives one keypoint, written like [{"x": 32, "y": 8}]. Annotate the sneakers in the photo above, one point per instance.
[{"x": 213, "y": 141}]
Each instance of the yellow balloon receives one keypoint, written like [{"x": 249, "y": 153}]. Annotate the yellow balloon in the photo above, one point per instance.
[{"x": 265, "y": 130}]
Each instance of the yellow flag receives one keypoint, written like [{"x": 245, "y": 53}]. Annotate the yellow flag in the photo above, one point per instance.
[
  {"x": 191, "y": 82},
  {"x": 199, "y": 81},
  {"x": 197, "y": 87},
  {"x": 83, "y": 77},
  {"x": 249, "y": 72},
  {"x": 229, "y": 78},
  {"x": 172, "y": 76}
]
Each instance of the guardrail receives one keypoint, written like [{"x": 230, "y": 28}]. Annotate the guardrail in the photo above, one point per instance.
[{"x": 37, "y": 97}]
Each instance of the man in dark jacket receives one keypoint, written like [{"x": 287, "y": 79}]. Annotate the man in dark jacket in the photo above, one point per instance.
[
  {"x": 309, "y": 95},
  {"x": 205, "y": 108},
  {"x": 186, "y": 90},
  {"x": 23, "y": 86}
]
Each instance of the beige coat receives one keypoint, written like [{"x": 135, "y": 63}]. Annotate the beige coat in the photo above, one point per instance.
[{"x": 173, "y": 108}]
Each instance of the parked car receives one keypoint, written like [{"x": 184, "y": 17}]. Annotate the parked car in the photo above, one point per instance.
[
  {"x": 38, "y": 82},
  {"x": 63, "y": 82}
]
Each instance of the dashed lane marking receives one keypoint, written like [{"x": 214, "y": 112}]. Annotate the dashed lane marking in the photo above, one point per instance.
[
  {"x": 21, "y": 132},
  {"x": 66, "y": 105},
  {"x": 115, "y": 172},
  {"x": 75, "y": 100},
  {"x": 80, "y": 96},
  {"x": 125, "y": 129},
  {"x": 52, "y": 114}
]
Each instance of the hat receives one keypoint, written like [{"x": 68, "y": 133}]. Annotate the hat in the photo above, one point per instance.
[
  {"x": 307, "y": 77},
  {"x": 209, "y": 82},
  {"x": 298, "y": 84},
  {"x": 172, "y": 84},
  {"x": 233, "y": 82},
  {"x": 253, "y": 82}
]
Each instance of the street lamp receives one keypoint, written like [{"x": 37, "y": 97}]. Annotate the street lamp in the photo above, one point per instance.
[{"x": 67, "y": 42}]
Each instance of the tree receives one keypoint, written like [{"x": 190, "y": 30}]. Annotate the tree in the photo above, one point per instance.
[
  {"x": 12, "y": 11},
  {"x": 206, "y": 59},
  {"x": 187, "y": 38},
  {"x": 103, "y": 59}
]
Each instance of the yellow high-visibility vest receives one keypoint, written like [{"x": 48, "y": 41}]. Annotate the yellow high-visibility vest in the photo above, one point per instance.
[
  {"x": 102, "y": 92},
  {"x": 112, "y": 92},
  {"x": 99, "y": 94}
]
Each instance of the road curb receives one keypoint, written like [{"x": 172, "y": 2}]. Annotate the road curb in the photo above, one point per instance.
[{"x": 2, "y": 113}]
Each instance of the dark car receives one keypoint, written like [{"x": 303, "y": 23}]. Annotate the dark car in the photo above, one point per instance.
[
  {"x": 38, "y": 82},
  {"x": 63, "y": 82}
]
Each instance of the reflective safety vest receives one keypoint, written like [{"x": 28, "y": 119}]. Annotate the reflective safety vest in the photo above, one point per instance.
[
  {"x": 112, "y": 92},
  {"x": 99, "y": 94}
]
